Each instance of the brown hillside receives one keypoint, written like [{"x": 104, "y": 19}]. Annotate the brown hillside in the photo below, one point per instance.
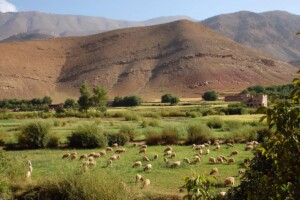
[{"x": 182, "y": 57}]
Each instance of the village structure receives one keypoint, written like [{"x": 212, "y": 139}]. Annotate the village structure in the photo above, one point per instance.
[{"x": 258, "y": 100}]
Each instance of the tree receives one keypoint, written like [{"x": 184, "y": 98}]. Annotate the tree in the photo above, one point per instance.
[
  {"x": 47, "y": 100},
  {"x": 210, "y": 96},
  {"x": 274, "y": 171},
  {"x": 69, "y": 103},
  {"x": 174, "y": 101},
  {"x": 84, "y": 100},
  {"x": 100, "y": 98},
  {"x": 166, "y": 98},
  {"x": 127, "y": 101}
]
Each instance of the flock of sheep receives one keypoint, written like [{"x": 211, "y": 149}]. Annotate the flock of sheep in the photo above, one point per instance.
[{"x": 168, "y": 156}]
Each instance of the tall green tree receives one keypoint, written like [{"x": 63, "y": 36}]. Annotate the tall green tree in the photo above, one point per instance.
[
  {"x": 100, "y": 98},
  {"x": 84, "y": 100}
]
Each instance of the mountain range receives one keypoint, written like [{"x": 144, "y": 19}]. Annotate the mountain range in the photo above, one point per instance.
[{"x": 183, "y": 57}]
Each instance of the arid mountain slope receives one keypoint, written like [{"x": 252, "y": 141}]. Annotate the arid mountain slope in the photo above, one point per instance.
[
  {"x": 66, "y": 25},
  {"x": 270, "y": 32},
  {"x": 182, "y": 57}
]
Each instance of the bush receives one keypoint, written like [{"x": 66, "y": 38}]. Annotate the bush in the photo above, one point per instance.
[
  {"x": 174, "y": 101},
  {"x": 232, "y": 125},
  {"x": 87, "y": 136},
  {"x": 127, "y": 101},
  {"x": 132, "y": 116},
  {"x": 153, "y": 138},
  {"x": 215, "y": 123},
  {"x": 198, "y": 134},
  {"x": 166, "y": 98},
  {"x": 119, "y": 138},
  {"x": 34, "y": 134},
  {"x": 128, "y": 130},
  {"x": 169, "y": 136},
  {"x": 210, "y": 96},
  {"x": 53, "y": 141},
  {"x": 246, "y": 132},
  {"x": 234, "y": 111}
]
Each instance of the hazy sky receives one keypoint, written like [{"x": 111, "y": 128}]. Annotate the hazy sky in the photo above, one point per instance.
[{"x": 146, "y": 9}]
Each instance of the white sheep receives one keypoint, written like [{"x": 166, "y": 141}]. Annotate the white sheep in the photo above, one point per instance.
[
  {"x": 120, "y": 151},
  {"x": 206, "y": 144},
  {"x": 137, "y": 164},
  {"x": 144, "y": 146},
  {"x": 212, "y": 160},
  {"x": 207, "y": 151},
  {"x": 197, "y": 159},
  {"x": 200, "y": 151},
  {"x": 102, "y": 153},
  {"x": 218, "y": 147},
  {"x": 233, "y": 153},
  {"x": 222, "y": 194},
  {"x": 30, "y": 168},
  {"x": 175, "y": 164},
  {"x": 91, "y": 154},
  {"x": 224, "y": 159},
  {"x": 28, "y": 175},
  {"x": 148, "y": 167},
  {"x": 93, "y": 163},
  {"x": 249, "y": 148},
  {"x": 138, "y": 178},
  {"x": 109, "y": 163},
  {"x": 186, "y": 160},
  {"x": 146, "y": 183},
  {"x": 229, "y": 145},
  {"x": 229, "y": 181},
  {"x": 230, "y": 161},
  {"x": 115, "y": 145},
  {"x": 168, "y": 149},
  {"x": 219, "y": 160},
  {"x": 114, "y": 157},
  {"x": 143, "y": 150},
  {"x": 109, "y": 149},
  {"x": 84, "y": 156},
  {"x": 66, "y": 155},
  {"x": 73, "y": 156},
  {"x": 214, "y": 171},
  {"x": 173, "y": 155},
  {"x": 167, "y": 153},
  {"x": 29, "y": 163},
  {"x": 165, "y": 160},
  {"x": 242, "y": 171},
  {"x": 145, "y": 158},
  {"x": 97, "y": 155},
  {"x": 155, "y": 157}
]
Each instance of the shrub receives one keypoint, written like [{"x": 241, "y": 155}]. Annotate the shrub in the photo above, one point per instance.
[
  {"x": 210, "y": 96},
  {"x": 34, "y": 134},
  {"x": 153, "y": 138},
  {"x": 119, "y": 138},
  {"x": 129, "y": 130},
  {"x": 169, "y": 136},
  {"x": 198, "y": 133},
  {"x": 174, "y": 101},
  {"x": 246, "y": 132},
  {"x": 234, "y": 111},
  {"x": 127, "y": 101},
  {"x": 232, "y": 125},
  {"x": 166, "y": 98},
  {"x": 132, "y": 116},
  {"x": 53, "y": 141},
  {"x": 87, "y": 136},
  {"x": 215, "y": 123}
]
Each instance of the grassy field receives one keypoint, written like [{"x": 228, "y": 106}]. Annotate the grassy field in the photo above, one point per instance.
[{"x": 49, "y": 163}]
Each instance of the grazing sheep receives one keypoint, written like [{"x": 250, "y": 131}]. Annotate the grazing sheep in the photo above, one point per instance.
[
  {"x": 246, "y": 161},
  {"x": 137, "y": 164},
  {"x": 165, "y": 160},
  {"x": 84, "y": 156},
  {"x": 219, "y": 160},
  {"x": 216, "y": 143},
  {"x": 109, "y": 149},
  {"x": 143, "y": 150},
  {"x": 66, "y": 155},
  {"x": 120, "y": 151},
  {"x": 145, "y": 158},
  {"x": 255, "y": 143},
  {"x": 114, "y": 157},
  {"x": 173, "y": 155},
  {"x": 186, "y": 160},
  {"x": 102, "y": 153},
  {"x": 91, "y": 154},
  {"x": 27, "y": 175},
  {"x": 115, "y": 145},
  {"x": 249, "y": 148},
  {"x": 230, "y": 161},
  {"x": 224, "y": 159},
  {"x": 206, "y": 144},
  {"x": 234, "y": 153},
  {"x": 229, "y": 145},
  {"x": 74, "y": 157},
  {"x": 85, "y": 163},
  {"x": 168, "y": 149},
  {"x": 144, "y": 146},
  {"x": 90, "y": 159},
  {"x": 218, "y": 147},
  {"x": 155, "y": 157},
  {"x": 148, "y": 167},
  {"x": 222, "y": 194},
  {"x": 29, "y": 163},
  {"x": 197, "y": 159},
  {"x": 209, "y": 142},
  {"x": 93, "y": 163},
  {"x": 207, "y": 151},
  {"x": 229, "y": 181},
  {"x": 74, "y": 153},
  {"x": 212, "y": 160},
  {"x": 200, "y": 151},
  {"x": 97, "y": 155},
  {"x": 242, "y": 171},
  {"x": 250, "y": 143},
  {"x": 138, "y": 178},
  {"x": 175, "y": 164},
  {"x": 109, "y": 163},
  {"x": 167, "y": 153},
  {"x": 214, "y": 171},
  {"x": 146, "y": 183},
  {"x": 134, "y": 145}
]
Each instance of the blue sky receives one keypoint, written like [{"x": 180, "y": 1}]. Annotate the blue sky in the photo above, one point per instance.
[{"x": 146, "y": 9}]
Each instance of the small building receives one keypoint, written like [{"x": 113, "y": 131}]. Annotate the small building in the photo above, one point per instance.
[
  {"x": 250, "y": 100},
  {"x": 56, "y": 106}
]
